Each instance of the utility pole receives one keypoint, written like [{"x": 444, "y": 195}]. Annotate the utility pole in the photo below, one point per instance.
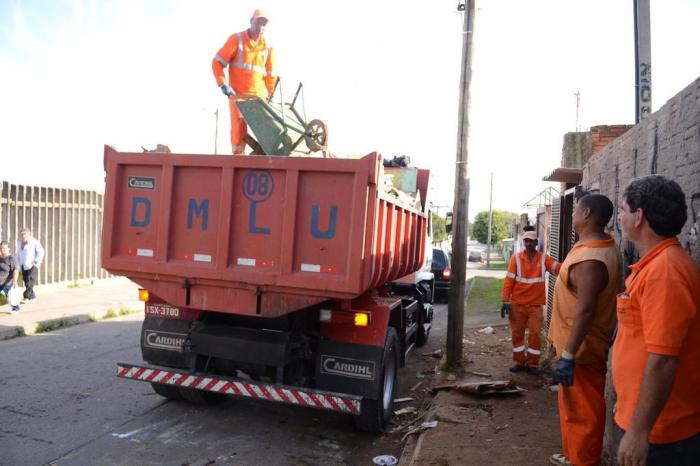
[
  {"x": 578, "y": 102},
  {"x": 488, "y": 241},
  {"x": 457, "y": 292},
  {"x": 216, "y": 130},
  {"x": 642, "y": 59}
]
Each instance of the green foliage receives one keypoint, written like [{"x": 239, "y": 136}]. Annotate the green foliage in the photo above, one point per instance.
[
  {"x": 502, "y": 224},
  {"x": 439, "y": 232}
]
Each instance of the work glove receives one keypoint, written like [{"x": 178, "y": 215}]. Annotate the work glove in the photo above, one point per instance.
[
  {"x": 226, "y": 89},
  {"x": 505, "y": 310},
  {"x": 564, "y": 372}
]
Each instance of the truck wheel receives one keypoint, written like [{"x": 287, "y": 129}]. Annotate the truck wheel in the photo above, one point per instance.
[
  {"x": 166, "y": 391},
  {"x": 200, "y": 397},
  {"x": 375, "y": 413},
  {"x": 422, "y": 334}
]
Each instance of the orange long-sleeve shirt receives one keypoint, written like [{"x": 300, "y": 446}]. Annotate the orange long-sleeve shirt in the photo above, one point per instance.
[
  {"x": 250, "y": 65},
  {"x": 524, "y": 283}
]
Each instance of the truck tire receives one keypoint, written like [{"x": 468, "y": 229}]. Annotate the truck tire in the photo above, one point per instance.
[
  {"x": 200, "y": 397},
  {"x": 376, "y": 412},
  {"x": 167, "y": 391}
]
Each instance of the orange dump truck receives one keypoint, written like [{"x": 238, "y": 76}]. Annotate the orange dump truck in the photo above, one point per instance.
[{"x": 288, "y": 279}]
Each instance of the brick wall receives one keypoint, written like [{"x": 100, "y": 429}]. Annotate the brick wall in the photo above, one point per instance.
[{"x": 667, "y": 143}]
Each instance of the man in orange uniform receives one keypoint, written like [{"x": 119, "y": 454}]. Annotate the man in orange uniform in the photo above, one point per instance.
[
  {"x": 583, "y": 320},
  {"x": 251, "y": 63},
  {"x": 523, "y": 297},
  {"x": 656, "y": 356}
]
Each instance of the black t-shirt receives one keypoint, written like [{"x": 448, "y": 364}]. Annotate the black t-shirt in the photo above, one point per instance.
[{"x": 8, "y": 265}]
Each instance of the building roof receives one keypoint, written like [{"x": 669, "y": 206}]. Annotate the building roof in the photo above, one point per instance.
[{"x": 565, "y": 175}]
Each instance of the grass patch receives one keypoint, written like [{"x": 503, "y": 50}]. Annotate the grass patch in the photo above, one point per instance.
[
  {"x": 485, "y": 294},
  {"x": 49, "y": 326},
  {"x": 495, "y": 266}
]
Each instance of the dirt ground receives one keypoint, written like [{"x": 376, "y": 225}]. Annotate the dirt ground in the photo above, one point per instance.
[{"x": 504, "y": 430}]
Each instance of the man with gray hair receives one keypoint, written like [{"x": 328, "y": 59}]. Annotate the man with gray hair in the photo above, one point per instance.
[{"x": 30, "y": 254}]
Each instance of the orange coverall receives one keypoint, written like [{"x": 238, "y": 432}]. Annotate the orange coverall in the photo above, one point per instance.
[
  {"x": 251, "y": 65},
  {"x": 524, "y": 289}
]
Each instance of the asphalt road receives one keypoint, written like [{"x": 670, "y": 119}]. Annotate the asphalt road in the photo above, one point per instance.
[{"x": 61, "y": 403}]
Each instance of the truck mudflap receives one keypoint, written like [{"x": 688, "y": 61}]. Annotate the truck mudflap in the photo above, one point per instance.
[{"x": 308, "y": 397}]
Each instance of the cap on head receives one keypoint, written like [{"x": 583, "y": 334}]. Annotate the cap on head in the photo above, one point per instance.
[
  {"x": 260, "y": 14},
  {"x": 530, "y": 235}
]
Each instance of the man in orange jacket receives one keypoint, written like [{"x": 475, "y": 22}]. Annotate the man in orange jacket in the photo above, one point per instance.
[
  {"x": 583, "y": 320},
  {"x": 250, "y": 61},
  {"x": 657, "y": 349},
  {"x": 523, "y": 297}
]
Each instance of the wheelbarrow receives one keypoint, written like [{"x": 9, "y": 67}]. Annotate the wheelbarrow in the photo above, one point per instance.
[{"x": 279, "y": 128}]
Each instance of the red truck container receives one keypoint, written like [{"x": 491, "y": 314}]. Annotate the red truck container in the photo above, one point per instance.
[{"x": 297, "y": 280}]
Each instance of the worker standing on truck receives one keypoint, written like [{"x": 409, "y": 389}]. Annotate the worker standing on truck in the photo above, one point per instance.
[
  {"x": 523, "y": 297},
  {"x": 250, "y": 61},
  {"x": 583, "y": 320}
]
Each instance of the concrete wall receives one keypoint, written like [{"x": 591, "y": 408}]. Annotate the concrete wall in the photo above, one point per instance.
[
  {"x": 667, "y": 143},
  {"x": 67, "y": 222}
]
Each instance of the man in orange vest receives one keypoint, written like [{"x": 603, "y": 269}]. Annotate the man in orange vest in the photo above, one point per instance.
[
  {"x": 657, "y": 350},
  {"x": 250, "y": 61},
  {"x": 583, "y": 320},
  {"x": 523, "y": 297}
]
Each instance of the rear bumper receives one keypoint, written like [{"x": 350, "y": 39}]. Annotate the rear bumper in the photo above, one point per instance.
[
  {"x": 308, "y": 397},
  {"x": 442, "y": 285}
]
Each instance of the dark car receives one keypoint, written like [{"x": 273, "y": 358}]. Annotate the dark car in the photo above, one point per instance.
[{"x": 441, "y": 269}]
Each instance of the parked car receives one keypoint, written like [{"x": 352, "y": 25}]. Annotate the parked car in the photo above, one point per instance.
[
  {"x": 475, "y": 256},
  {"x": 441, "y": 269}
]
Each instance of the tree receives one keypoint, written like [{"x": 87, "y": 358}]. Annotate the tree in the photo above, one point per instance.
[
  {"x": 502, "y": 224},
  {"x": 439, "y": 232}
]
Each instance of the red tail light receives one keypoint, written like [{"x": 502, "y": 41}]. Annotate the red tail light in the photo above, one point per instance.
[{"x": 446, "y": 273}]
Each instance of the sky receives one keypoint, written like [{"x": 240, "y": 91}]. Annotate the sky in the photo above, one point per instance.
[{"x": 384, "y": 76}]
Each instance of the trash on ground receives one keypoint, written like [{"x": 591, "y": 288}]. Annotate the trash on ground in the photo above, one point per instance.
[
  {"x": 406, "y": 410},
  {"x": 385, "y": 460},
  {"x": 415, "y": 387},
  {"x": 437, "y": 354},
  {"x": 554, "y": 388},
  {"x": 419, "y": 375},
  {"x": 497, "y": 387},
  {"x": 451, "y": 377},
  {"x": 486, "y": 330},
  {"x": 425, "y": 426},
  {"x": 403, "y": 400},
  {"x": 469, "y": 342},
  {"x": 481, "y": 374}
]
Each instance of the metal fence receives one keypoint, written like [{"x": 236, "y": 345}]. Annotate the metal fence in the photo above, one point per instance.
[{"x": 67, "y": 222}]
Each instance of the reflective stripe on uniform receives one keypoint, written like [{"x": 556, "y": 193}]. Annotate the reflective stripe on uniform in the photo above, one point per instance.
[
  {"x": 534, "y": 351},
  {"x": 518, "y": 275},
  {"x": 529, "y": 280},
  {"x": 220, "y": 60},
  {"x": 519, "y": 349},
  {"x": 238, "y": 63},
  {"x": 510, "y": 275},
  {"x": 238, "y": 148}
]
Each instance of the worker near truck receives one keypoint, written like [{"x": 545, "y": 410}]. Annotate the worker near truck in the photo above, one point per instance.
[
  {"x": 657, "y": 348},
  {"x": 581, "y": 329},
  {"x": 9, "y": 271},
  {"x": 250, "y": 62},
  {"x": 523, "y": 296}
]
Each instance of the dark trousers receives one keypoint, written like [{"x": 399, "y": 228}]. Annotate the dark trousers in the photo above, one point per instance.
[
  {"x": 30, "y": 277},
  {"x": 684, "y": 452}
]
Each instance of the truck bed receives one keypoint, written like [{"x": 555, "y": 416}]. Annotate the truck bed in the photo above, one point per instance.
[{"x": 256, "y": 235}]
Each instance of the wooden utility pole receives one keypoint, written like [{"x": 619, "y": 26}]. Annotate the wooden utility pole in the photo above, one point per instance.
[
  {"x": 488, "y": 240},
  {"x": 642, "y": 59},
  {"x": 456, "y": 301}
]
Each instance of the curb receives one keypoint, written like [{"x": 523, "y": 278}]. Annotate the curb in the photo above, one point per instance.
[{"x": 48, "y": 325}]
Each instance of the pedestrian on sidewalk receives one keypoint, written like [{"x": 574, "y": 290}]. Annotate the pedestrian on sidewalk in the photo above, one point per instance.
[
  {"x": 523, "y": 299},
  {"x": 583, "y": 320},
  {"x": 8, "y": 274},
  {"x": 657, "y": 349},
  {"x": 30, "y": 254}
]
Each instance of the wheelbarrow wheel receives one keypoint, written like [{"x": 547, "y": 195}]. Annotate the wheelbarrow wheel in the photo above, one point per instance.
[{"x": 316, "y": 135}]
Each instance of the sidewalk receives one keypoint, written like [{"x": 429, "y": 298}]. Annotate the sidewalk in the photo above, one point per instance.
[
  {"x": 61, "y": 306},
  {"x": 496, "y": 429}
]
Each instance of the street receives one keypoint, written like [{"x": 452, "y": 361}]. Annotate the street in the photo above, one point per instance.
[{"x": 63, "y": 404}]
